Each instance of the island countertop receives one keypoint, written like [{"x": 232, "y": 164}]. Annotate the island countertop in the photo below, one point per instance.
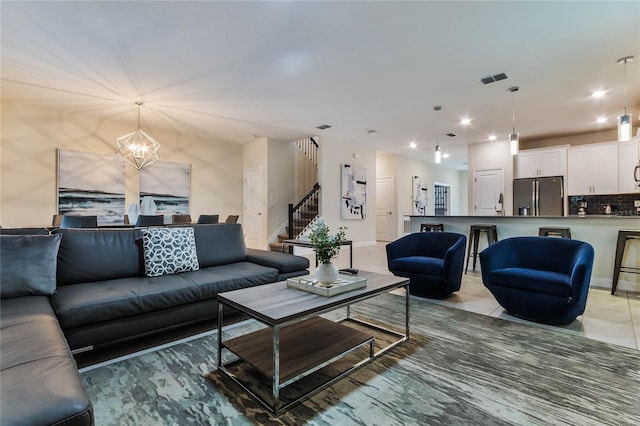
[{"x": 601, "y": 231}]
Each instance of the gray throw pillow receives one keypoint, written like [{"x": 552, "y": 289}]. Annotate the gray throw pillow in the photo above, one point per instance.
[
  {"x": 28, "y": 265},
  {"x": 169, "y": 251}
]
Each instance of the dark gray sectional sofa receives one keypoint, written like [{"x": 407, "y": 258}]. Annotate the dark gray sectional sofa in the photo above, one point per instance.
[{"x": 96, "y": 293}]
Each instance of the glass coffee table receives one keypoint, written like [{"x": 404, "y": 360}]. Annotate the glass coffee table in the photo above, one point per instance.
[{"x": 296, "y": 341}]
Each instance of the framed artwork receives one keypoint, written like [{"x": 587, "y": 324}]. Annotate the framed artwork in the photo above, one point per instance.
[
  {"x": 419, "y": 196},
  {"x": 169, "y": 184},
  {"x": 91, "y": 184},
  {"x": 354, "y": 192}
]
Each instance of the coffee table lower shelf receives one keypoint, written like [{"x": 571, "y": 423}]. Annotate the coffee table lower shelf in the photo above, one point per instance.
[{"x": 304, "y": 347}]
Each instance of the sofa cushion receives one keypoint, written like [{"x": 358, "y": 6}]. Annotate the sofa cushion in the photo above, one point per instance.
[
  {"x": 28, "y": 265},
  {"x": 39, "y": 382},
  {"x": 283, "y": 262},
  {"x": 219, "y": 244},
  {"x": 169, "y": 251},
  {"x": 418, "y": 264},
  {"x": 94, "y": 302},
  {"x": 533, "y": 280},
  {"x": 89, "y": 255}
]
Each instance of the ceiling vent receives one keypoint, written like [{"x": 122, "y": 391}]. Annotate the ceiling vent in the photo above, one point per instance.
[
  {"x": 323, "y": 127},
  {"x": 493, "y": 78},
  {"x": 451, "y": 135}
]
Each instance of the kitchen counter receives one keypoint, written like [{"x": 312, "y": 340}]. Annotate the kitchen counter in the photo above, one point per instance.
[{"x": 601, "y": 231}]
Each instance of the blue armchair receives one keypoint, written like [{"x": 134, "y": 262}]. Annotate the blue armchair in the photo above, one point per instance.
[
  {"x": 431, "y": 260},
  {"x": 539, "y": 278}
]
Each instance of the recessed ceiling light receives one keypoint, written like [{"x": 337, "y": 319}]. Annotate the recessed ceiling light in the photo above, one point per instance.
[
  {"x": 413, "y": 145},
  {"x": 492, "y": 137},
  {"x": 323, "y": 127},
  {"x": 465, "y": 121},
  {"x": 601, "y": 120},
  {"x": 598, "y": 93}
]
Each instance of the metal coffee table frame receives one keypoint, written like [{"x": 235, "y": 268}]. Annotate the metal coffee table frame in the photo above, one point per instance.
[{"x": 276, "y": 406}]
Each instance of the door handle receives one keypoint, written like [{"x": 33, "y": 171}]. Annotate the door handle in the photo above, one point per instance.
[
  {"x": 390, "y": 213},
  {"x": 259, "y": 213}
]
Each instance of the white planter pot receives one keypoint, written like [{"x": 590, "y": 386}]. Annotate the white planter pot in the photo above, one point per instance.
[{"x": 326, "y": 273}]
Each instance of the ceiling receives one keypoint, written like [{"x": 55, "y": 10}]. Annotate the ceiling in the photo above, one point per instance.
[{"x": 236, "y": 70}]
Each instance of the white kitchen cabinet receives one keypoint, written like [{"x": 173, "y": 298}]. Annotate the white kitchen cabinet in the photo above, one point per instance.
[
  {"x": 628, "y": 159},
  {"x": 541, "y": 162},
  {"x": 593, "y": 169}
]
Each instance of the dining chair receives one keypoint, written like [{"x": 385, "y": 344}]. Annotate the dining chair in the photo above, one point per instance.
[
  {"x": 71, "y": 221},
  {"x": 147, "y": 220},
  {"x": 181, "y": 218},
  {"x": 232, "y": 218},
  {"x": 208, "y": 218},
  {"x": 57, "y": 220}
]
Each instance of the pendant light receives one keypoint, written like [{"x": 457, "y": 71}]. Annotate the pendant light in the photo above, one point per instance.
[
  {"x": 624, "y": 120},
  {"x": 514, "y": 137},
  {"x": 138, "y": 148},
  {"x": 438, "y": 150}
]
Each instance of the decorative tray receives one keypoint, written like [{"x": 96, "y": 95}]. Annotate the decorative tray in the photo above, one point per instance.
[{"x": 343, "y": 284}]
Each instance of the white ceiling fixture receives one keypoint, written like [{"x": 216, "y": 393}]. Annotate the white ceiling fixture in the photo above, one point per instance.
[
  {"x": 438, "y": 150},
  {"x": 624, "y": 120},
  {"x": 514, "y": 137},
  {"x": 138, "y": 148}
]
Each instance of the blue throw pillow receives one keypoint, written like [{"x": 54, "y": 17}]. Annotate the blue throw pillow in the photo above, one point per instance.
[{"x": 28, "y": 265}]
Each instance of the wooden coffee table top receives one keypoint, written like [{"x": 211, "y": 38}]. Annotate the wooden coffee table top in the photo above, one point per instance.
[{"x": 276, "y": 303}]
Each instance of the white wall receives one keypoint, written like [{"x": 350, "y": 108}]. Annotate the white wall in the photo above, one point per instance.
[
  {"x": 30, "y": 136},
  {"x": 280, "y": 186},
  {"x": 402, "y": 168},
  {"x": 332, "y": 154}
]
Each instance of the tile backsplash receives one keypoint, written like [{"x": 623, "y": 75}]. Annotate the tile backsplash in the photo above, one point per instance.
[{"x": 621, "y": 204}]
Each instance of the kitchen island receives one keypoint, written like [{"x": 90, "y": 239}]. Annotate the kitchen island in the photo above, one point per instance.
[{"x": 598, "y": 230}]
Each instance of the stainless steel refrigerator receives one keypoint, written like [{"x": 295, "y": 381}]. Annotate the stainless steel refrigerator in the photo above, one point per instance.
[{"x": 538, "y": 196}]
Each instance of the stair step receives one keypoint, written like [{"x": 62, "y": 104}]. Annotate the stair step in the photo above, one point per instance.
[
  {"x": 283, "y": 237},
  {"x": 276, "y": 247}
]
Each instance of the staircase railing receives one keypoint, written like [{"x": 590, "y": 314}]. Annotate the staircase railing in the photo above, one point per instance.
[
  {"x": 304, "y": 212},
  {"x": 309, "y": 148}
]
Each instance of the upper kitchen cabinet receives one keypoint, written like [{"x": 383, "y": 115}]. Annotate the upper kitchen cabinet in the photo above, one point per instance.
[
  {"x": 541, "y": 162},
  {"x": 628, "y": 160},
  {"x": 593, "y": 169}
]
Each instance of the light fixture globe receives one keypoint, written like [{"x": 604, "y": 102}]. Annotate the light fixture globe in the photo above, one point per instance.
[
  {"x": 624, "y": 120},
  {"x": 138, "y": 148},
  {"x": 514, "y": 137},
  {"x": 438, "y": 155},
  {"x": 437, "y": 151}
]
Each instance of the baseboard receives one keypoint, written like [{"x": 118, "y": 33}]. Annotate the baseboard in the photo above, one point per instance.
[{"x": 622, "y": 284}]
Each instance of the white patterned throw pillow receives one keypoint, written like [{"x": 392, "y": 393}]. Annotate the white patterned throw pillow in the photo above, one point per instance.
[{"x": 169, "y": 251}]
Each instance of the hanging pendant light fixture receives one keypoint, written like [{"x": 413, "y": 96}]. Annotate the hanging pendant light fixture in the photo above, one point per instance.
[
  {"x": 514, "y": 137},
  {"x": 438, "y": 150},
  {"x": 624, "y": 120},
  {"x": 138, "y": 148}
]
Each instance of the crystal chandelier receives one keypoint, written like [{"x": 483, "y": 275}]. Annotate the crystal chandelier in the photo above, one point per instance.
[
  {"x": 624, "y": 120},
  {"x": 138, "y": 148}
]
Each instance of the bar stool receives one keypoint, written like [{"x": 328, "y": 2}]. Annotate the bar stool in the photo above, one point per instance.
[
  {"x": 424, "y": 227},
  {"x": 474, "y": 236},
  {"x": 623, "y": 236},
  {"x": 545, "y": 231}
]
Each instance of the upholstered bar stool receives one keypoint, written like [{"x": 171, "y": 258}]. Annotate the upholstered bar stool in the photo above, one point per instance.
[
  {"x": 623, "y": 236},
  {"x": 425, "y": 227},
  {"x": 545, "y": 231},
  {"x": 474, "y": 238}
]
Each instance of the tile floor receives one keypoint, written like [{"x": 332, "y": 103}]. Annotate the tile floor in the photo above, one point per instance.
[{"x": 612, "y": 319}]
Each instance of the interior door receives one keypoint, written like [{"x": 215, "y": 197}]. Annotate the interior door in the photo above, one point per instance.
[
  {"x": 385, "y": 195},
  {"x": 487, "y": 187},
  {"x": 254, "y": 201}
]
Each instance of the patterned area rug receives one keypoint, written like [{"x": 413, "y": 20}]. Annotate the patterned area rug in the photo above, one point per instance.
[{"x": 458, "y": 368}]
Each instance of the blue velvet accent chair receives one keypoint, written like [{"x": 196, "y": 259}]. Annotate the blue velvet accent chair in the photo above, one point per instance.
[
  {"x": 539, "y": 278},
  {"x": 431, "y": 260}
]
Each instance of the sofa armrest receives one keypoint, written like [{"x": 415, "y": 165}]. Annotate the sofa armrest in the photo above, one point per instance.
[{"x": 283, "y": 262}]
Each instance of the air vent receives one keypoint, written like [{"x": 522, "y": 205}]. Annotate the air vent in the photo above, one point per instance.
[
  {"x": 493, "y": 78},
  {"x": 323, "y": 127},
  {"x": 451, "y": 135}
]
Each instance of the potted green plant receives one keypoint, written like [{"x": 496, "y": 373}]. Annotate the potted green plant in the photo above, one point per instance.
[{"x": 327, "y": 247}]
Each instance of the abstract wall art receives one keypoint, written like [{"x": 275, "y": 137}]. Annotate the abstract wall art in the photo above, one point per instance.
[
  {"x": 91, "y": 184},
  {"x": 354, "y": 192},
  {"x": 419, "y": 196}
]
